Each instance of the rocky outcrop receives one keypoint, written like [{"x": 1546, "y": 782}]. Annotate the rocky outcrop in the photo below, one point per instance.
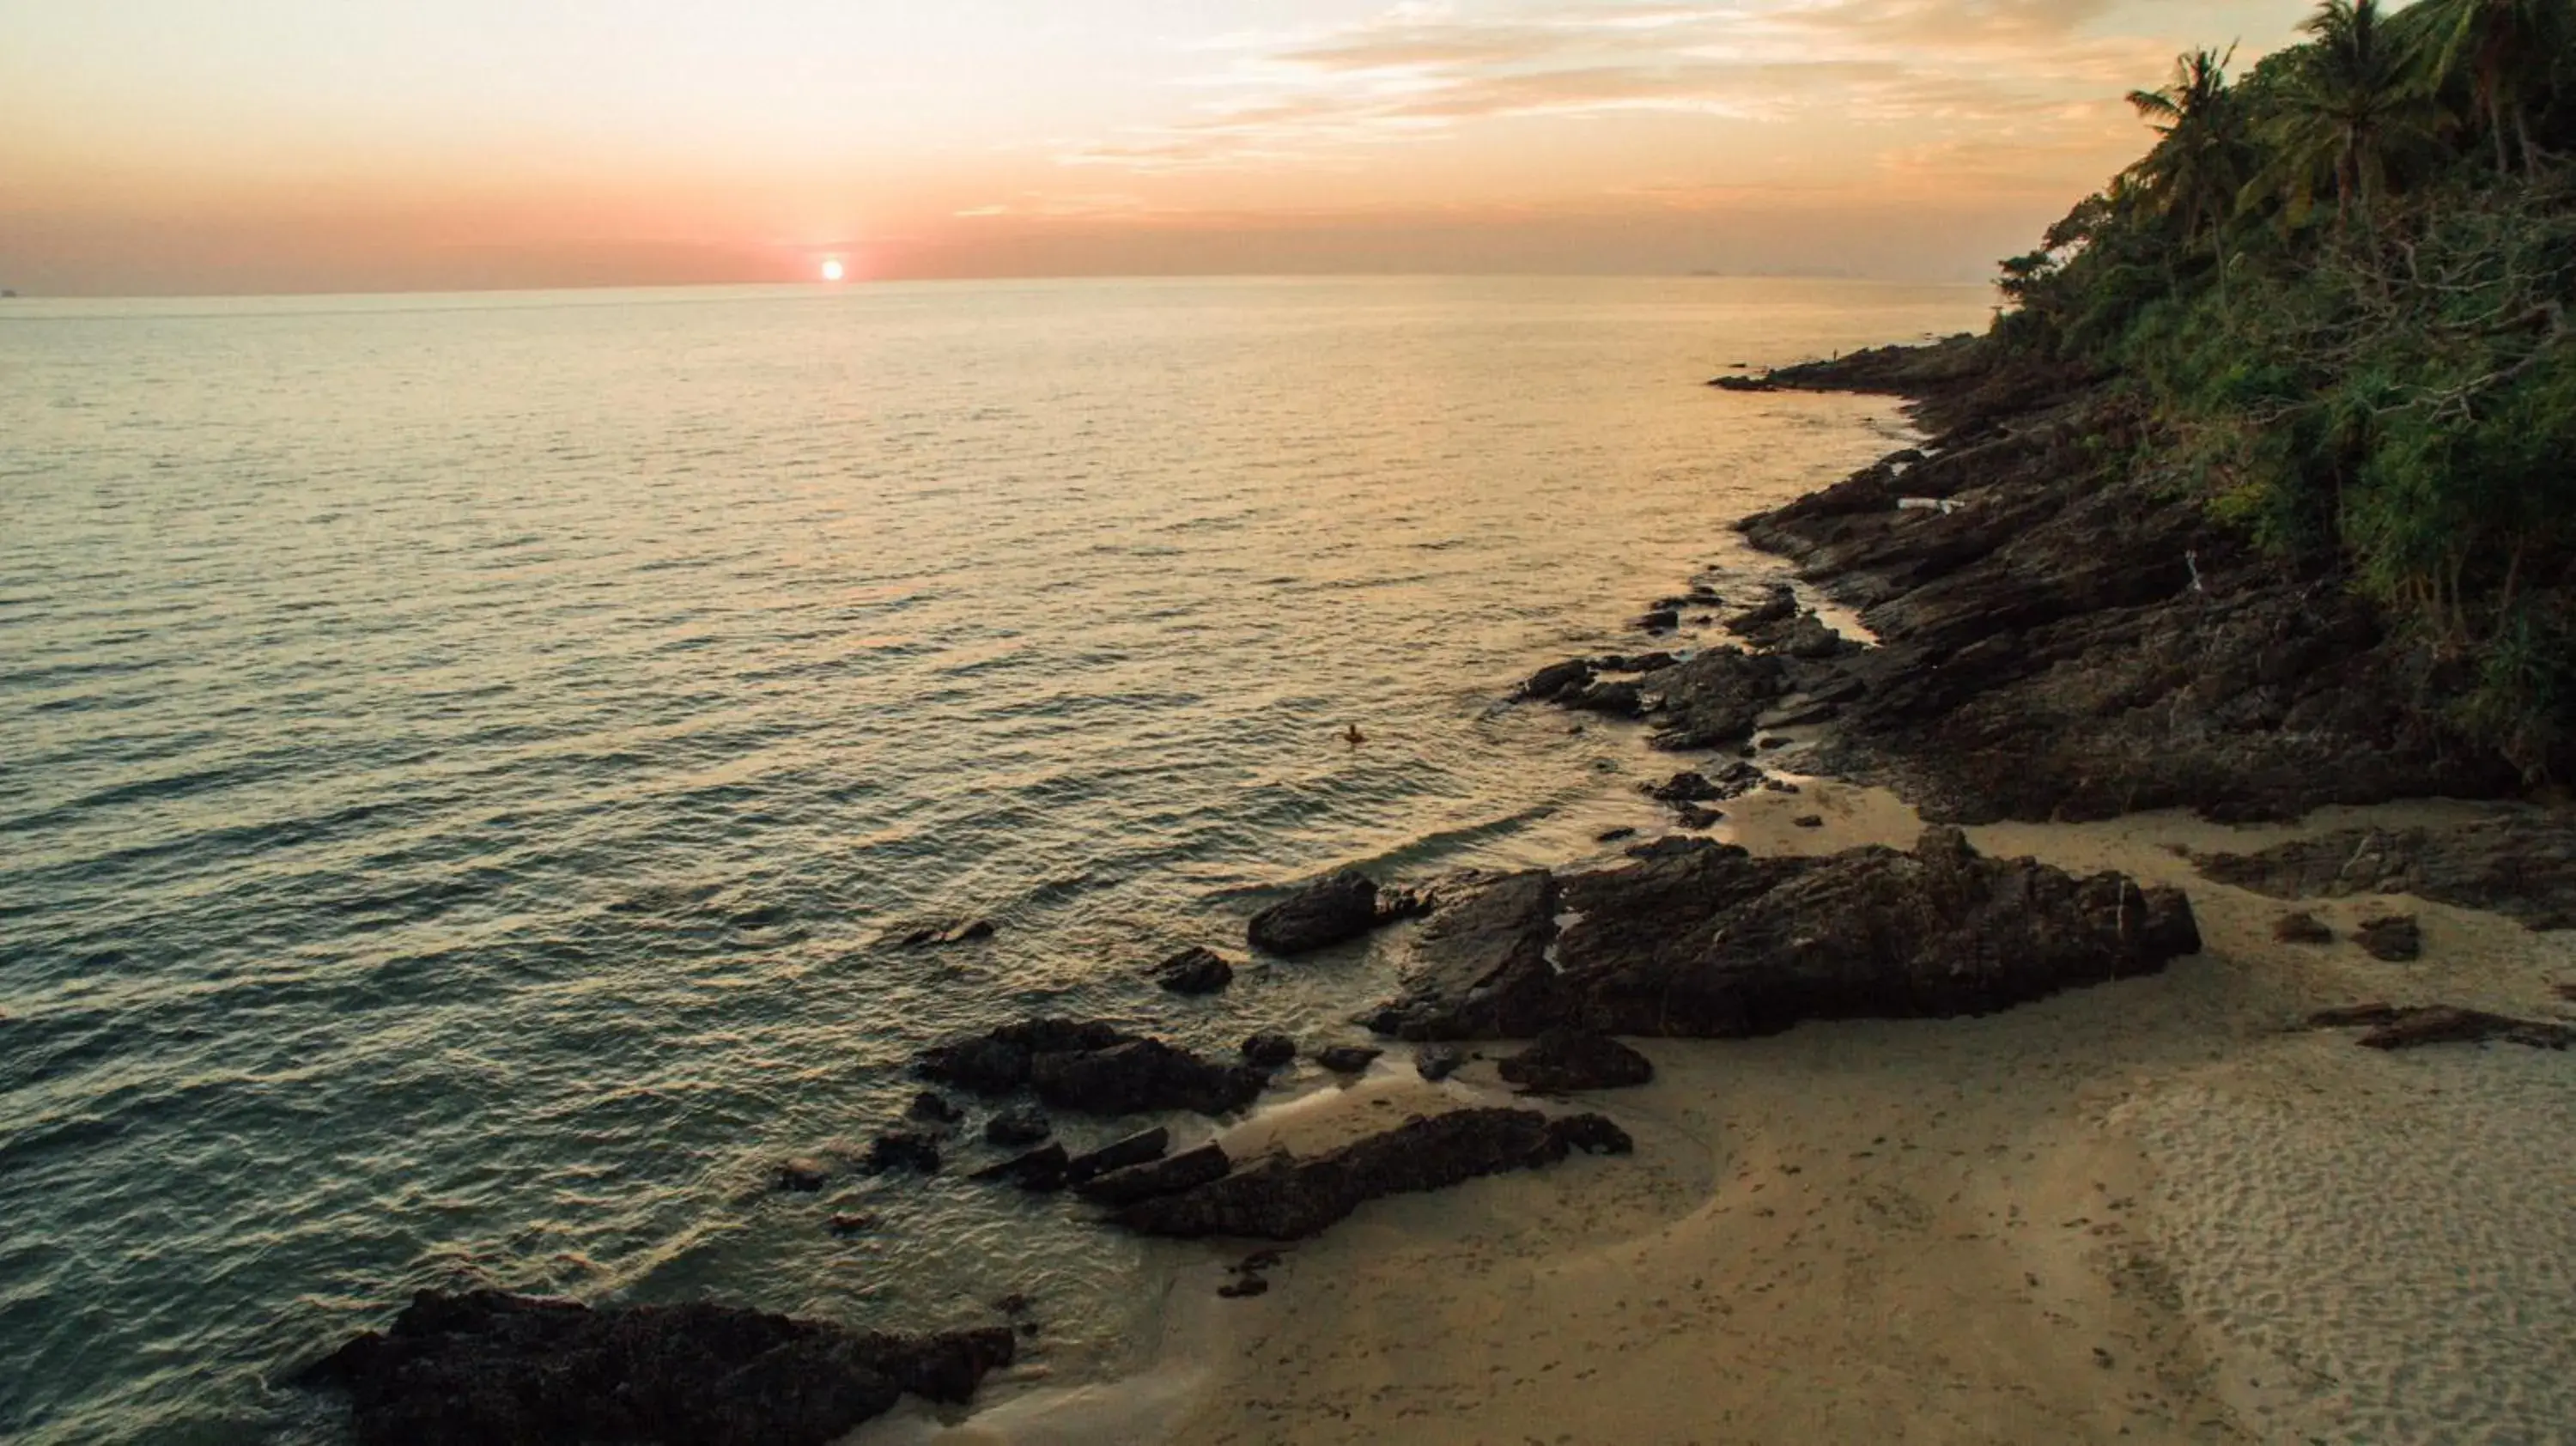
[
  {"x": 1118, "y": 1155},
  {"x": 2055, "y": 643},
  {"x": 1091, "y": 1067},
  {"x": 2521, "y": 864},
  {"x": 491, "y": 1369},
  {"x": 1329, "y": 911},
  {"x": 1269, "y": 1051},
  {"x": 1283, "y": 1198},
  {"x": 1347, "y": 1058},
  {"x": 1708, "y": 940},
  {"x": 1572, "y": 1059},
  {"x": 2394, "y": 938},
  {"x": 1018, "y": 1125}
]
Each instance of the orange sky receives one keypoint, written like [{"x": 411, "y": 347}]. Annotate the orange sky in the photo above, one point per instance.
[{"x": 159, "y": 146}]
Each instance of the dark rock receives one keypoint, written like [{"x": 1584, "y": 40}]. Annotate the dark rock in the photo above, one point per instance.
[
  {"x": 1635, "y": 662},
  {"x": 491, "y": 1369},
  {"x": 1669, "y": 846},
  {"x": 1779, "y": 604},
  {"x": 1616, "y": 700},
  {"x": 2393, "y": 1028},
  {"x": 1659, "y": 620},
  {"x": 1140, "y": 1077},
  {"x": 1438, "y": 1061},
  {"x": 1015, "y": 1304},
  {"x": 1347, "y": 1058},
  {"x": 1326, "y": 912},
  {"x": 1712, "y": 701},
  {"x": 1691, "y": 815},
  {"x": 1133, "y": 1150},
  {"x": 931, "y": 1108},
  {"x": 1040, "y": 1170},
  {"x": 1571, "y": 1059},
  {"x": 1194, "y": 971},
  {"x": 1684, "y": 788},
  {"x": 2521, "y": 865},
  {"x": 1777, "y": 785},
  {"x": 1807, "y": 636},
  {"x": 849, "y": 1224},
  {"x": 1394, "y": 905},
  {"x": 1480, "y": 960},
  {"x": 1269, "y": 1051},
  {"x": 803, "y": 1175},
  {"x": 1808, "y": 820},
  {"x": 2395, "y": 938},
  {"x": 1708, "y": 940},
  {"x": 1550, "y": 682},
  {"x": 2070, "y": 645},
  {"x": 1283, "y": 1198},
  {"x": 1797, "y": 714},
  {"x": 1018, "y": 1125},
  {"x": 1185, "y": 1171},
  {"x": 946, "y": 931},
  {"x": 1613, "y": 835},
  {"x": 1092, "y": 1067},
  {"x": 915, "y": 1150},
  {"x": 1246, "y": 1286},
  {"x": 2302, "y": 928}
]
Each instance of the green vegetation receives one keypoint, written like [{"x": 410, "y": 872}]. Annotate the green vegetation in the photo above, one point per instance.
[{"x": 2340, "y": 283}]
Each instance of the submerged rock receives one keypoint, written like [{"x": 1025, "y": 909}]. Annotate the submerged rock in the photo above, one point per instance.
[
  {"x": 1184, "y": 1171},
  {"x": 1041, "y": 1170},
  {"x": 492, "y": 1369},
  {"x": 1572, "y": 1059},
  {"x": 1092, "y": 1067},
  {"x": 1329, "y": 911},
  {"x": 1133, "y": 1150},
  {"x": 1566, "y": 677},
  {"x": 945, "y": 931},
  {"x": 1709, "y": 940},
  {"x": 931, "y": 1108},
  {"x": 1284, "y": 1198},
  {"x": 914, "y": 1150},
  {"x": 802, "y": 1175},
  {"x": 1347, "y": 1058},
  {"x": 1019, "y": 1125},
  {"x": 1194, "y": 971}
]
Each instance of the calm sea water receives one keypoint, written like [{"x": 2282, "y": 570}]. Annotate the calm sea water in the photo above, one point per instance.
[{"x": 463, "y": 754}]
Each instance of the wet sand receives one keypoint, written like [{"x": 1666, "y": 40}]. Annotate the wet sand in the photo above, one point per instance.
[{"x": 2151, "y": 1211}]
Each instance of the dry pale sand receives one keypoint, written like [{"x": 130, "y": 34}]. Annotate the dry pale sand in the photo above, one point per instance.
[{"x": 2143, "y": 1212}]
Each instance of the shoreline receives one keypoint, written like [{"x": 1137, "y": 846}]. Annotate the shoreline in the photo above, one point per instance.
[
  {"x": 1846, "y": 1324},
  {"x": 1866, "y": 1228}
]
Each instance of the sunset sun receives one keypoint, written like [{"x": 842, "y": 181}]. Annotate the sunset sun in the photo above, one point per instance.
[{"x": 833, "y": 270}]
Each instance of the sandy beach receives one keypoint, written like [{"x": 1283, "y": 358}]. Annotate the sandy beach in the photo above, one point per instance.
[{"x": 2151, "y": 1211}]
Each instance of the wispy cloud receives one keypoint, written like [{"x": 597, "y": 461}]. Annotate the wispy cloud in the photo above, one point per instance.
[{"x": 1425, "y": 70}]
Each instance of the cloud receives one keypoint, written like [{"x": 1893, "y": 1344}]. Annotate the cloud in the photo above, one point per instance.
[{"x": 1423, "y": 71}]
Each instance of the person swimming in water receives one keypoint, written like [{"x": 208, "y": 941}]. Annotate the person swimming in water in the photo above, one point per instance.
[{"x": 1352, "y": 735}]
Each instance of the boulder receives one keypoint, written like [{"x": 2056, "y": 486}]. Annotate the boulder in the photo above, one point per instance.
[
  {"x": 1560, "y": 678},
  {"x": 492, "y": 1369},
  {"x": 1436, "y": 1062},
  {"x": 1564, "y": 1060},
  {"x": 1714, "y": 700},
  {"x": 2301, "y": 928},
  {"x": 1284, "y": 1198},
  {"x": 914, "y": 1150},
  {"x": 1133, "y": 1150},
  {"x": 2395, "y": 938},
  {"x": 1194, "y": 971},
  {"x": 1140, "y": 1077},
  {"x": 931, "y": 1108},
  {"x": 1018, "y": 1125},
  {"x": 1338, "y": 907},
  {"x": 1091, "y": 1067},
  {"x": 1269, "y": 1051},
  {"x": 1707, "y": 940},
  {"x": 1185, "y": 1171},
  {"x": 1779, "y": 604},
  {"x": 1659, "y": 620},
  {"x": 1347, "y": 1058},
  {"x": 1041, "y": 1170},
  {"x": 1684, "y": 787},
  {"x": 802, "y": 1175}
]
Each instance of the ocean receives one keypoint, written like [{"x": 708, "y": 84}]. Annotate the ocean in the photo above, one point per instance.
[{"x": 466, "y": 756}]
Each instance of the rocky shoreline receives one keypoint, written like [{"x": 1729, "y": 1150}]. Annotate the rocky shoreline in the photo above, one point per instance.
[{"x": 2049, "y": 645}]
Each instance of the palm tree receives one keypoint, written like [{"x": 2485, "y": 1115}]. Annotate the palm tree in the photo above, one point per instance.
[
  {"x": 2494, "y": 46},
  {"x": 2354, "y": 102},
  {"x": 2198, "y": 165}
]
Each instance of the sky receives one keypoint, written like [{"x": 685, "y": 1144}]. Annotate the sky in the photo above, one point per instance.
[{"x": 216, "y": 146}]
